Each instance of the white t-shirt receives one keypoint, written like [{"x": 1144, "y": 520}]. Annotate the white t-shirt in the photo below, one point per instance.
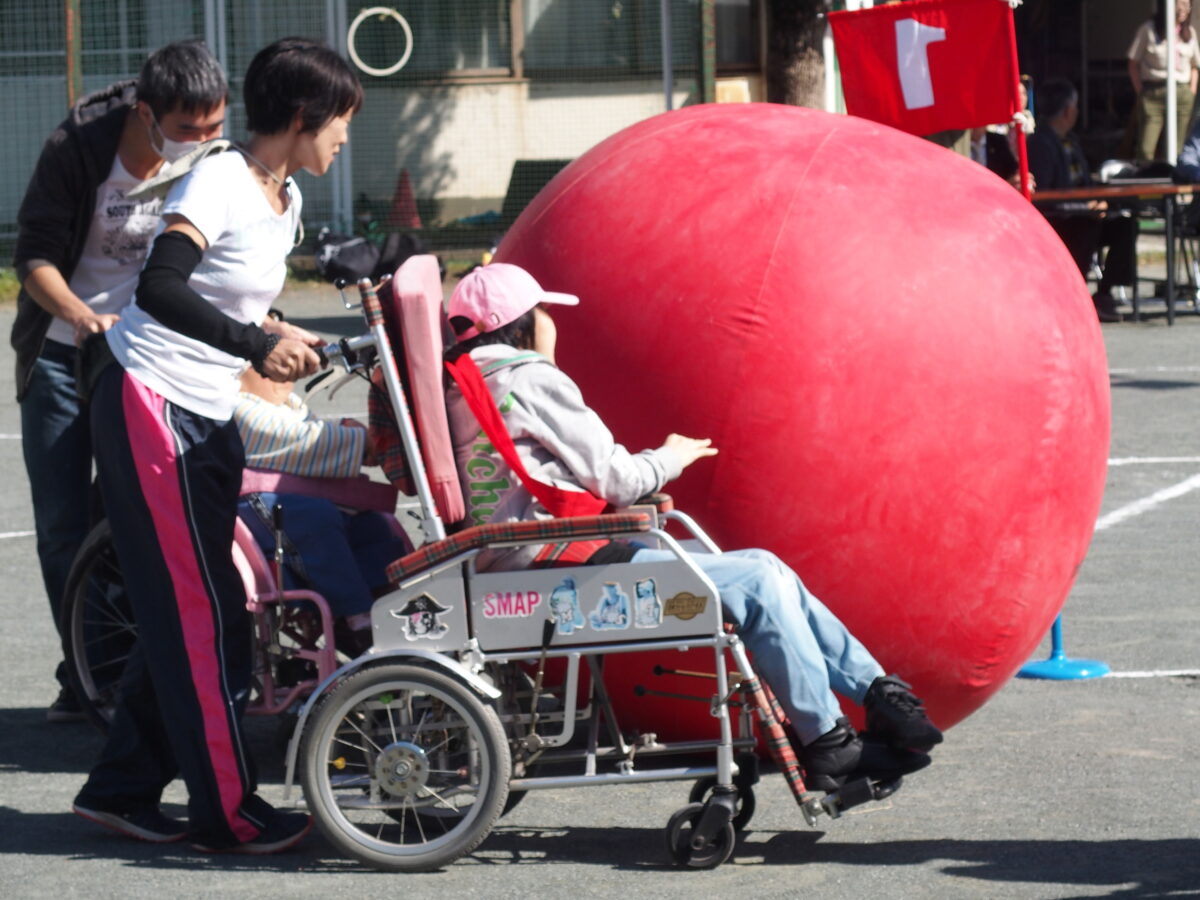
[
  {"x": 241, "y": 273},
  {"x": 1151, "y": 55},
  {"x": 116, "y": 245}
]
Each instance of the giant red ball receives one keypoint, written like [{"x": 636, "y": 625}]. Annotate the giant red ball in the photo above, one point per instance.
[{"x": 893, "y": 351}]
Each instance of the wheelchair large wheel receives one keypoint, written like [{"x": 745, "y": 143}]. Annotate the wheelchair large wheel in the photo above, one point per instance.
[
  {"x": 97, "y": 626},
  {"x": 404, "y": 768}
]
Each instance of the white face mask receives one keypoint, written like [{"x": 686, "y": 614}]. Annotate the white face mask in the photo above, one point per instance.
[{"x": 170, "y": 150}]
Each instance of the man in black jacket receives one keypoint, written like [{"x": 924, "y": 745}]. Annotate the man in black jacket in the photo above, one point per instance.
[
  {"x": 80, "y": 245},
  {"x": 1056, "y": 161}
]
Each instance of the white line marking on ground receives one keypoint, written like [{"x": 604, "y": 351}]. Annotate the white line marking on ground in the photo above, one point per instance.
[
  {"x": 1137, "y": 507},
  {"x": 1151, "y": 460},
  {"x": 16, "y": 534},
  {"x": 1134, "y": 370},
  {"x": 10, "y": 437},
  {"x": 1157, "y": 673}
]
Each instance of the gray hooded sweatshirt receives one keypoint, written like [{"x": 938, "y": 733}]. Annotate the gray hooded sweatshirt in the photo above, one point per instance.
[{"x": 559, "y": 439}]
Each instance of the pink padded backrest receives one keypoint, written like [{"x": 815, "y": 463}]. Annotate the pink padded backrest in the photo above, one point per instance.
[{"x": 417, "y": 289}]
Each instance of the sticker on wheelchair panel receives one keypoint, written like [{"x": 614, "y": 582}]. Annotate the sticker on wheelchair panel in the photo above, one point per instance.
[
  {"x": 647, "y": 607},
  {"x": 685, "y": 605},
  {"x": 612, "y": 612},
  {"x": 510, "y": 604},
  {"x": 419, "y": 618},
  {"x": 564, "y": 607}
]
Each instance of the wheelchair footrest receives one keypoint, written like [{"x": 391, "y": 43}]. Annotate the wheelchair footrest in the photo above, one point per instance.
[{"x": 857, "y": 792}]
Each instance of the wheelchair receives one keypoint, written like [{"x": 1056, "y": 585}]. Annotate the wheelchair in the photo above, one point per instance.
[
  {"x": 481, "y": 686},
  {"x": 293, "y": 629}
]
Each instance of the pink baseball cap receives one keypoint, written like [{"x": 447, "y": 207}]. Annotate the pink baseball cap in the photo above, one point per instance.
[{"x": 491, "y": 296}]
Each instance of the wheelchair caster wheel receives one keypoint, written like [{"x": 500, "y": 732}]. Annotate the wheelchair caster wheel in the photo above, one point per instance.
[
  {"x": 711, "y": 854},
  {"x": 745, "y": 800}
]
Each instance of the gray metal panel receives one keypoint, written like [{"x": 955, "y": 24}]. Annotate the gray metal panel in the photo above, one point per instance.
[
  {"x": 431, "y": 615},
  {"x": 591, "y": 604}
]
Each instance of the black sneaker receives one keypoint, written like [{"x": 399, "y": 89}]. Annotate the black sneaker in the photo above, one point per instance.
[
  {"x": 841, "y": 755},
  {"x": 896, "y": 715},
  {"x": 283, "y": 832},
  {"x": 145, "y": 825},
  {"x": 1106, "y": 307},
  {"x": 65, "y": 708}
]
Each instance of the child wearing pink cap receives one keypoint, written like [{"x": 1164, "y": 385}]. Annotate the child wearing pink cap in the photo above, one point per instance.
[{"x": 499, "y": 314}]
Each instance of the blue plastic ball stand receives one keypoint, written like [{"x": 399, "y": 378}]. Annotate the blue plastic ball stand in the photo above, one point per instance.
[{"x": 1059, "y": 666}]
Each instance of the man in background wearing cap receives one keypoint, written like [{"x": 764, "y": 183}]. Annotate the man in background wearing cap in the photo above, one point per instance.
[{"x": 799, "y": 646}]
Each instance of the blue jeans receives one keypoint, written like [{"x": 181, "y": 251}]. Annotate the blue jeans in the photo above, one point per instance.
[
  {"x": 58, "y": 458},
  {"x": 342, "y": 556},
  {"x": 800, "y": 648}
]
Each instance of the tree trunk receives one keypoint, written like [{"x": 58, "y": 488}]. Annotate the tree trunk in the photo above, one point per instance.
[{"x": 795, "y": 64}]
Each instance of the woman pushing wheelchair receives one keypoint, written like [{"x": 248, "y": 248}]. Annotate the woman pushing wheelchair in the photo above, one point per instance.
[
  {"x": 566, "y": 457},
  {"x": 170, "y": 459}
]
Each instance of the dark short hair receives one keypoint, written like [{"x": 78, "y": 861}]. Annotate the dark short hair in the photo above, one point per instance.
[
  {"x": 296, "y": 75},
  {"x": 517, "y": 333},
  {"x": 183, "y": 75},
  {"x": 1054, "y": 96}
]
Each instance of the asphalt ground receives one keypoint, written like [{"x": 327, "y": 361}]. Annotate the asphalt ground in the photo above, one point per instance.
[{"x": 1052, "y": 790}]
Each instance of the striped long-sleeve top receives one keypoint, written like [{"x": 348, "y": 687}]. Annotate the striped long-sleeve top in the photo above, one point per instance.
[{"x": 288, "y": 438}]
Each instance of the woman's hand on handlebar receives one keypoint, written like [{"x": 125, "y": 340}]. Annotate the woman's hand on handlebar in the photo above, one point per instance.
[
  {"x": 286, "y": 330},
  {"x": 290, "y": 360}
]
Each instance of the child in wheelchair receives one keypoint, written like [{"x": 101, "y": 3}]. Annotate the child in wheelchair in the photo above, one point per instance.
[
  {"x": 504, "y": 331},
  {"x": 340, "y": 552}
]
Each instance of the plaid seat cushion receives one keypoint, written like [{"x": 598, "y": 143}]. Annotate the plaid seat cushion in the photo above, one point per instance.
[{"x": 539, "y": 531}]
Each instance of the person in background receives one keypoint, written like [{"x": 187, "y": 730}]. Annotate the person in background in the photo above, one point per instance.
[
  {"x": 1086, "y": 227},
  {"x": 996, "y": 145},
  {"x": 1152, "y": 76},
  {"x": 1187, "y": 167},
  {"x": 80, "y": 246}
]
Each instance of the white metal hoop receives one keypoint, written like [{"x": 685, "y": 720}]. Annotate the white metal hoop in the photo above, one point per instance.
[{"x": 382, "y": 12}]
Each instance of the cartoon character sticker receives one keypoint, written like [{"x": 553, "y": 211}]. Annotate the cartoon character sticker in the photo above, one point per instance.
[
  {"x": 419, "y": 618},
  {"x": 613, "y": 610},
  {"x": 647, "y": 607},
  {"x": 564, "y": 607}
]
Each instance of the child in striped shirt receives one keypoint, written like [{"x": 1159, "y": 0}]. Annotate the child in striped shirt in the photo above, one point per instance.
[{"x": 341, "y": 554}]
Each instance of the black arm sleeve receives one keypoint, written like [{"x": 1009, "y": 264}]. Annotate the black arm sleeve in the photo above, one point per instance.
[{"x": 163, "y": 292}]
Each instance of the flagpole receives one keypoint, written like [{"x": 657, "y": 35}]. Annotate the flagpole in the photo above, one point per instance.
[
  {"x": 1023, "y": 159},
  {"x": 1015, "y": 68}
]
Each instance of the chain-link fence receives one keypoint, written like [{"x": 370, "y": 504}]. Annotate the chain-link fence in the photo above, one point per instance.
[{"x": 471, "y": 105}]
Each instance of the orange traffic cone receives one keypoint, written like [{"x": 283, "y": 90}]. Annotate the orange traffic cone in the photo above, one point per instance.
[{"x": 403, "y": 214}]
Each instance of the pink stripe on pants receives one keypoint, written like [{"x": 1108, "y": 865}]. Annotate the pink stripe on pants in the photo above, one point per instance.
[{"x": 155, "y": 459}]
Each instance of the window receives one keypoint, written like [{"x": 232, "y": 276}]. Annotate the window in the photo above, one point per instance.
[
  {"x": 564, "y": 37},
  {"x": 738, "y": 34},
  {"x": 447, "y": 37},
  {"x": 620, "y": 36}
]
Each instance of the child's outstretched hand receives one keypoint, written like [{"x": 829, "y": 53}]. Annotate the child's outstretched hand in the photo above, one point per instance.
[{"x": 689, "y": 449}]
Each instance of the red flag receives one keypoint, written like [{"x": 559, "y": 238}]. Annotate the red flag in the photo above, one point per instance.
[{"x": 929, "y": 65}]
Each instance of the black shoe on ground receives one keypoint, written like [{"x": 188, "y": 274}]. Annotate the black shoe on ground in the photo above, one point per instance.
[
  {"x": 841, "y": 755},
  {"x": 1106, "y": 307},
  {"x": 897, "y": 716},
  {"x": 144, "y": 825},
  {"x": 65, "y": 708},
  {"x": 283, "y": 832}
]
